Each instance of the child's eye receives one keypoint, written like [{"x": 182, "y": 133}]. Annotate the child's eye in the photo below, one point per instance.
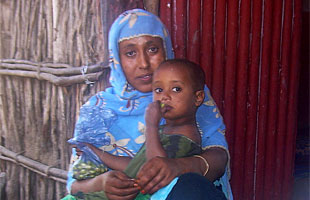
[
  {"x": 176, "y": 89},
  {"x": 130, "y": 53},
  {"x": 153, "y": 49},
  {"x": 158, "y": 90}
]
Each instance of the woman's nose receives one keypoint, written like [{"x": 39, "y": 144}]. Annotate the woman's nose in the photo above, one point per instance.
[{"x": 144, "y": 61}]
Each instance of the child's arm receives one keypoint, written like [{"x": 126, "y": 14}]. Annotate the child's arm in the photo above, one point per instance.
[
  {"x": 152, "y": 141},
  {"x": 112, "y": 161}
]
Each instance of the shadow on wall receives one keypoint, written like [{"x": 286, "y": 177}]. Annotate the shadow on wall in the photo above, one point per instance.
[{"x": 302, "y": 159}]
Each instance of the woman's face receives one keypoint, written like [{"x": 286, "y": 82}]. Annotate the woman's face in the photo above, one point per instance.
[{"x": 139, "y": 58}]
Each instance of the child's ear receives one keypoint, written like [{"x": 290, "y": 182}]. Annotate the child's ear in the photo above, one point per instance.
[{"x": 200, "y": 96}]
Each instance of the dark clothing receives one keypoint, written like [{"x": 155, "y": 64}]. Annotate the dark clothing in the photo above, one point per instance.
[{"x": 192, "y": 186}]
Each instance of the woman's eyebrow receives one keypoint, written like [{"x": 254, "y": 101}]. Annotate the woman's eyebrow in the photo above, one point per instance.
[
  {"x": 129, "y": 45},
  {"x": 151, "y": 42}
]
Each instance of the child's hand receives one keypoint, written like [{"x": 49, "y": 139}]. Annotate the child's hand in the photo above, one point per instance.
[
  {"x": 153, "y": 114},
  {"x": 77, "y": 150}
]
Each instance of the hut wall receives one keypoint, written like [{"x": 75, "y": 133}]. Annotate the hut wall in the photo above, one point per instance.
[{"x": 38, "y": 109}]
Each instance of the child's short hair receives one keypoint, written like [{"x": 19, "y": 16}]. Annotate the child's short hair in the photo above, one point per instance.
[{"x": 196, "y": 73}]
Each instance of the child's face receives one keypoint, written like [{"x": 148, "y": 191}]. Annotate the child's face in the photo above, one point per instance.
[{"x": 172, "y": 86}]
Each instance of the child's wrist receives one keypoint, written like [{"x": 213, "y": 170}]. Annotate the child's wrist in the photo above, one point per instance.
[
  {"x": 152, "y": 126},
  {"x": 151, "y": 133}
]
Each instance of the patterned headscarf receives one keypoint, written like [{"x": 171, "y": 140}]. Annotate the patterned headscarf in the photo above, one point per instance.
[
  {"x": 126, "y": 105},
  {"x": 132, "y": 24}
]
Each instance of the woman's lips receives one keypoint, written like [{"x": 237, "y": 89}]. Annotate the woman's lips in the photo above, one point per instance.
[{"x": 145, "y": 78}]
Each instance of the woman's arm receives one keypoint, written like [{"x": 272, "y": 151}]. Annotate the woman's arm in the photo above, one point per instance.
[
  {"x": 158, "y": 172},
  {"x": 89, "y": 185},
  {"x": 217, "y": 159}
]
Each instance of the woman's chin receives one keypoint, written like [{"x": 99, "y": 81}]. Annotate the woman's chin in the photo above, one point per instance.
[{"x": 144, "y": 88}]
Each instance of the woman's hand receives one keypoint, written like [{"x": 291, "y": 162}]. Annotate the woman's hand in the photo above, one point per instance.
[
  {"x": 157, "y": 173},
  {"x": 116, "y": 184}
]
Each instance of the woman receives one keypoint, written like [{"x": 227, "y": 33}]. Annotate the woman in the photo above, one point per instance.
[{"x": 138, "y": 43}]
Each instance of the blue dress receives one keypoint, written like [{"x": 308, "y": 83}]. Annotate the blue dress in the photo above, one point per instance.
[{"x": 125, "y": 126}]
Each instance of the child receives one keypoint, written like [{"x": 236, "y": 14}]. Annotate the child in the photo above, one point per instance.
[{"x": 178, "y": 90}]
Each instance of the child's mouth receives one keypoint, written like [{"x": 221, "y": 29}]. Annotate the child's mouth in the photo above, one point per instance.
[{"x": 165, "y": 108}]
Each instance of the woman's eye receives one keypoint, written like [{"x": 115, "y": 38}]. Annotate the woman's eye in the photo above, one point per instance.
[
  {"x": 153, "y": 49},
  {"x": 130, "y": 53},
  {"x": 158, "y": 90},
  {"x": 176, "y": 89}
]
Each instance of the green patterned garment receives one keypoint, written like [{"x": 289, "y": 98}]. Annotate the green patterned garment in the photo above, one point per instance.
[{"x": 176, "y": 146}]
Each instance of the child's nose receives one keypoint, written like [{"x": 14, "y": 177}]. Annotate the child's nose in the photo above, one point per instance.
[{"x": 165, "y": 96}]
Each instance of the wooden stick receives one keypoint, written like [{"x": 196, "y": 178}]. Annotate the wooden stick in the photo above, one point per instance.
[
  {"x": 2, "y": 182},
  {"x": 37, "y": 167},
  {"x": 60, "y": 81},
  {"x": 43, "y": 64},
  {"x": 61, "y": 71}
]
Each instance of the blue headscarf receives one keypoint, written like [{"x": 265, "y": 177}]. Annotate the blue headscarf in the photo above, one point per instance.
[
  {"x": 132, "y": 24},
  {"x": 126, "y": 105}
]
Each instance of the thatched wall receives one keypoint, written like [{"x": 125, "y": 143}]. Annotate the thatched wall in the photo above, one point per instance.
[{"x": 42, "y": 44}]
